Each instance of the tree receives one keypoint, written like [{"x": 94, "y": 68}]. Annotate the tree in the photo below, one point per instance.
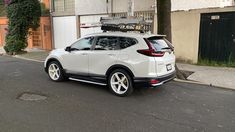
[
  {"x": 164, "y": 18},
  {"x": 22, "y": 15},
  {"x": 164, "y": 25}
]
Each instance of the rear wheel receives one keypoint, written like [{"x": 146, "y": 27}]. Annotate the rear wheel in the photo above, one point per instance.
[
  {"x": 55, "y": 71},
  {"x": 120, "y": 83}
]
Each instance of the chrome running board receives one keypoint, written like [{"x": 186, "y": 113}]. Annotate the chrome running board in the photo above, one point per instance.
[{"x": 85, "y": 81}]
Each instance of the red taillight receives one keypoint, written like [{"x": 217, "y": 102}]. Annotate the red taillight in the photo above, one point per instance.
[
  {"x": 154, "y": 81},
  {"x": 151, "y": 51}
]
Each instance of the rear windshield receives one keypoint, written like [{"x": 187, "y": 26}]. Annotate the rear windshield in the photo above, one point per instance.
[{"x": 160, "y": 43}]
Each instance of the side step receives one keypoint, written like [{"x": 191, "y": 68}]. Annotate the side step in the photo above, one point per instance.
[{"x": 86, "y": 81}]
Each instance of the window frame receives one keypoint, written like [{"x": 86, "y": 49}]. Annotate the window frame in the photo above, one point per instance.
[
  {"x": 97, "y": 37},
  {"x": 93, "y": 41}
]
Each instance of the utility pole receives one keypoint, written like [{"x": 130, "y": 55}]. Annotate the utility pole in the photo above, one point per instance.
[{"x": 130, "y": 10}]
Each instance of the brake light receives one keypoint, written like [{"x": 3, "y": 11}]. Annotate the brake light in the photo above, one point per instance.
[
  {"x": 151, "y": 51},
  {"x": 154, "y": 81}
]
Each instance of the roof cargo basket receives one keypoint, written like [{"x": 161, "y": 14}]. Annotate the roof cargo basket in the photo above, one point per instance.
[{"x": 123, "y": 24}]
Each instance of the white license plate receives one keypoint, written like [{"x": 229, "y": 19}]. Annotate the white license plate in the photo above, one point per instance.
[{"x": 169, "y": 67}]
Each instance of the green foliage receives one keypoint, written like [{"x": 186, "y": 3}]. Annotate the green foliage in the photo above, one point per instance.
[
  {"x": 44, "y": 10},
  {"x": 207, "y": 62},
  {"x": 22, "y": 15},
  {"x": 2, "y": 9}
]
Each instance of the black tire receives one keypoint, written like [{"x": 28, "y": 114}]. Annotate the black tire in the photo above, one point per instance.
[
  {"x": 61, "y": 73},
  {"x": 129, "y": 83}
]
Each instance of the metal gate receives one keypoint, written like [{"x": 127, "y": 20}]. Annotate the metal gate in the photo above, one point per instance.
[{"x": 217, "y": 37}]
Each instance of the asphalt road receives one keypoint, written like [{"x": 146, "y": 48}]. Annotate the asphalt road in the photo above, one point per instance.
[{"x": 79, "y": 107}]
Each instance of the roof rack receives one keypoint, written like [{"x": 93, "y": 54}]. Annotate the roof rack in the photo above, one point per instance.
[{"x": 123, "y": 24}]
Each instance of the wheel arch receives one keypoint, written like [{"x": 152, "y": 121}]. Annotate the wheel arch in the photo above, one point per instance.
[
  {"x": 119, "y": 66},
  {"x": 49, "y": 61}
]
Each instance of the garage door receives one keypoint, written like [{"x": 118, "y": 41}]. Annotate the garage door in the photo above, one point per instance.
[
  {"x": 90, "y": 24},
  {"x": 217, "y": 37},
  {"x": 65, "y": 31}
]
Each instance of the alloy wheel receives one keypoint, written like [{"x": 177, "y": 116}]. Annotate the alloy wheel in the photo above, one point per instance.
[
  {"x": 54, "y": 72},
  {"x": 119, "y": 83}
]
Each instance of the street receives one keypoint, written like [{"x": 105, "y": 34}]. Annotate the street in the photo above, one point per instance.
[{"x": 78, "y": 107}]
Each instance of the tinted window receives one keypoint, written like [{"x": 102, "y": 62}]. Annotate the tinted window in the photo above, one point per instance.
[
  {"x": 107, "y": 43},
  {"x": 127, "y": 42},
  {"x": 160, "y": 43},
  {"x": 83, "y": 44}
]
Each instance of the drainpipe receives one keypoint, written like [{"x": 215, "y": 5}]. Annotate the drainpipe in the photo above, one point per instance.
[
  {"x": 51, "y": 19},
  {"x": 155, "y": 17},
  {"x": 130, "y": 11},
  {"x": 155, "y": 6},
  {"x": 107, "y": 6},
  {"x": 112, "y": 7}
]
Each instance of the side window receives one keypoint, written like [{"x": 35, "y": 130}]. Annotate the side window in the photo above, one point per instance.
[
  {"x": 83, "y": 44},
  {"x": 127, "y": 42},
  {"x": 107, "y": 43}
]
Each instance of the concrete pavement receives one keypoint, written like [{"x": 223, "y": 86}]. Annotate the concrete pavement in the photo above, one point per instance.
[
  {"x": 215, "y": 76},
  {"x": 79, "y": 107}
]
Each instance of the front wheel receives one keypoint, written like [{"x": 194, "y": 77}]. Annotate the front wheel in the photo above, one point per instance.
[
  {"x": 120, "y": 83},
  {"x": 55, "y": 71}
]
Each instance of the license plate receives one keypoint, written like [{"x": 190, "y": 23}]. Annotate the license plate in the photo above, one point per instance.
[{"x": 168, "y": 67}]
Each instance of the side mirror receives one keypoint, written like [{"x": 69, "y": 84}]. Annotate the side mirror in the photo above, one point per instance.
[{"x": 68, "y": 49}]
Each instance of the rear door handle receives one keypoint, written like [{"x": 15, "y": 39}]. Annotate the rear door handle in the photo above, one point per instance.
[
  {"x": 111, "y": 54},
  {"x": 84, "y": 53}
]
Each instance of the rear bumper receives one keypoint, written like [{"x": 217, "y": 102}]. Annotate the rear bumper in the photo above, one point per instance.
[{"x": 146, "y": 82}]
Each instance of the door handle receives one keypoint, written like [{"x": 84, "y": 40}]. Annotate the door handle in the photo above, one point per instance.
[
  {"x": 84, "y": 53},
  {"x": 111, "y": 54}
]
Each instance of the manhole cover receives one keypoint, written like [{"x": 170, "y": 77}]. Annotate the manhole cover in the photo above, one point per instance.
[{"x": 31, "y": 97}]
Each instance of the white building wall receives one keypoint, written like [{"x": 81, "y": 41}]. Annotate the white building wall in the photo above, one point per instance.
[
  {"x": 146, "y": 5},
  {"x": 194, "y": 4},
  {"x": 91, "y": 23},
  {"x": 65, "y": 31},
  {"x": 224, "y": 3},
  {"x": 139, "y": 5},
  {"x": 85, "y": 7}
]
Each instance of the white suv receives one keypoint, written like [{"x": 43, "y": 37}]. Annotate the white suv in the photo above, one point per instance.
[{"x": 120, "y": 60}]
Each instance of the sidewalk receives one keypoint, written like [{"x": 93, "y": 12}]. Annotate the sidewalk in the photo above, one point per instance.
[
  {"x": 34, "y": 55},
  {"x": 215, "y": 76}
]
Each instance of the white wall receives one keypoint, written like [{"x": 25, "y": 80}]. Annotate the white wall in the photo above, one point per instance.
[
  {"x": 84, "y": 7},
  {"x": 139, "y": 5},
  {"x": 226, "y": 3},
  {"x": 65, "y": 31},
  {"x": 194, "y": 4},
  {"x": 146, "y": 5},
  {"x": 90, "y": 22}
]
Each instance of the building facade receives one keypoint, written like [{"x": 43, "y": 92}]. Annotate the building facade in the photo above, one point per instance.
[
  {"x": 40, "y": 38},
  {"x": 75, "y": 18}
]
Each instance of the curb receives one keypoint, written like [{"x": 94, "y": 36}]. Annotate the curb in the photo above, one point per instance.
[
  {"x": 23, "y": 58},
  {"x": 201, "y": 83}
]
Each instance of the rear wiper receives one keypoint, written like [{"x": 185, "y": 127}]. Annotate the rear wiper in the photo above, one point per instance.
[{"x": 166, "y": 48}]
